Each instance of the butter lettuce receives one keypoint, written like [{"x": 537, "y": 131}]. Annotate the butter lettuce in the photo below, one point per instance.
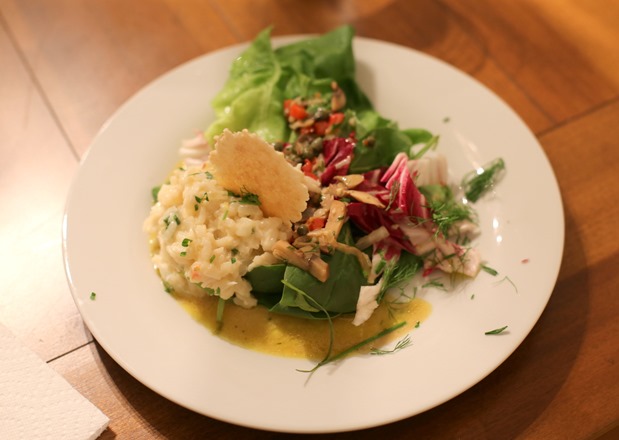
[{"x": 262, "y": 77}]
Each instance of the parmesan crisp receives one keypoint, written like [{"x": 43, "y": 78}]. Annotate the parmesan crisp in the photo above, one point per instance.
[{"x": 245, "y": 163}]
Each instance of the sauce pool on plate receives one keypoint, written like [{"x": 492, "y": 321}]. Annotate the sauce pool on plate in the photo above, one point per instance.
[{"x": 281, "y": 335}]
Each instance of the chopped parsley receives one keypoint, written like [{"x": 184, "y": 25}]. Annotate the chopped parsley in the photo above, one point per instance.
[
  {"x": 155, "y": 193},
  {"x": 170, "y": 219},
  {"x": 201, "y": 199},
  {"x": 211, "y": 291},
  {"x": 93, "y": 296},
  {"x": 167, "y": 287},
  {"x": 246, "y": 197}
]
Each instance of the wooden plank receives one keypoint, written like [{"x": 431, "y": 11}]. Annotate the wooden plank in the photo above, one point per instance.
[
  {"x": 92, "y": 56},
  {"x": 551, "y": 49},
  {"x": 36, "y": 169},
  {"x": 585, "y": 158}
]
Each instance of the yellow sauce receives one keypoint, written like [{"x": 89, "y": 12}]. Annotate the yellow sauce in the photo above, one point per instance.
[{"x": 258, "y": 329}]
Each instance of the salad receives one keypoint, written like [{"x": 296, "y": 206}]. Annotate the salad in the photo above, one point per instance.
[{"x": 378, "y": 208}]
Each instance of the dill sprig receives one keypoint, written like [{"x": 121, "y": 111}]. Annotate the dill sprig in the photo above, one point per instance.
[
  {"x": 399, "y": 270},
  {"x": 352, "y": 349},
  {"x": 447, "y": 213},
  {"x": 445, "y": 210},
  {"x": 476, "y": 183},
  {"x": 400, "y": 345},
  {"x": 329, "y": 357}
]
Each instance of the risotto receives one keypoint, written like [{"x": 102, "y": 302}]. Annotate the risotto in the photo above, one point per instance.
[{"x": 204, "y": 239}]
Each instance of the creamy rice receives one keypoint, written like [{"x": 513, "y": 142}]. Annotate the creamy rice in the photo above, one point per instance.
[{"x": 205, "y": 240}]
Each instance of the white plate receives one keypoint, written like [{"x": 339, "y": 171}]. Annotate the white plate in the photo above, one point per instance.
[{"x": 151, "y": 337}]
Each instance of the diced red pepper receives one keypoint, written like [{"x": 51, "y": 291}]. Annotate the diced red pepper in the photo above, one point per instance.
[
  {"x": 428, "y": 271},
  {"x": 297, "y": 111},
  {"x": 336, "y": 118},
  {"x": 307, "y": 169},
  {"x": 320, "y": 127},
  {"x": 314, "y": 223}
]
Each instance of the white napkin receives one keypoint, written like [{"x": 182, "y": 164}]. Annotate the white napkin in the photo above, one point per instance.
[{"x": 38, "y": 403}]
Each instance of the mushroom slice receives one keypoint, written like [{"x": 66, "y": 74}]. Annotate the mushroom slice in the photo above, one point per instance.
[
  {"x": 308, "y": 261},
  {"x": 350, "y": 180},
  {"x": 365, "y": 197}
]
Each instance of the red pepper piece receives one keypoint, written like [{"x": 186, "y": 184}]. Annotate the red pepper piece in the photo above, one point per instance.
[{"x": 314, "y": 223}]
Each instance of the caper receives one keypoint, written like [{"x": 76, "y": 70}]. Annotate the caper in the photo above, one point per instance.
[
  {"x": 316, "y": 146},
  {"x": 321, "y": 114},
  {"x": 302, "y": 230}
]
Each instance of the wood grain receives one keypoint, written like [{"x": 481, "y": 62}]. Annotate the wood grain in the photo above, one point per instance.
[
  {"x": 36, "y": 170},
  {"x": 66, "y": 66},
  {"x": 550, "y": 50}
]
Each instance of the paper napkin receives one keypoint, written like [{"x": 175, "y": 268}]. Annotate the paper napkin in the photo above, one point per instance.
[{"x": 38, "y": 403}]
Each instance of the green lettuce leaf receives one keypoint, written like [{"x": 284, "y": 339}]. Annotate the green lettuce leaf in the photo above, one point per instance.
[
  {"x": 267, "y": 279},
  {"x": 251, "y": 98},
  {"x": 262, "y": 77}
]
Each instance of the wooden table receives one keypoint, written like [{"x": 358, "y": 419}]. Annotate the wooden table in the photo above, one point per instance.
[{"x": 66, "y": 65}]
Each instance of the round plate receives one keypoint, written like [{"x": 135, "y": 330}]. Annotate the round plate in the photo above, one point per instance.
[{"x": 157, "y": 342}]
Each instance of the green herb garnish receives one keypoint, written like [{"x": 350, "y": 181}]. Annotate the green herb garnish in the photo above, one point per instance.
[
  {"x": 220, "y": 313},
  {"x": 445, "y": 210},
  {"x": 496, "y": 331},
  {"x": 434, "y": 283},
  {"x": 400, "y": 345},
  {"x": 246, "y": 197},
  {"x": 508, "y": 279},
  {"x": 155, "y": 193},
  {"x": 475, "y": 184},
  {"x": 201, "y": 199},
  {"x": 399, "y": 271},
  {"x": 186, "y": 242},
  {"x": 171, "y": 218},
  {"x": 93, "y": 296},
  {"x": 490, "y": 270},
  {"x": 343, "y": 354}
]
